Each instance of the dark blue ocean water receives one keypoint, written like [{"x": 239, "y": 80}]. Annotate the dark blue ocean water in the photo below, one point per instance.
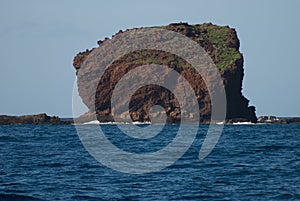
[{"x": 250, "y": 162}]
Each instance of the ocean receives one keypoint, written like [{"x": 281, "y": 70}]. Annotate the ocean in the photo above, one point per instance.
[{"x": 249, "y": 162}]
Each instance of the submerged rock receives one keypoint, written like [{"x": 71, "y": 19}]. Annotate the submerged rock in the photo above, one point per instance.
[
  {"x": 272, "y": 120},
  {"x": 222, "y": 45},
  {"x": 293, "y": 120}
]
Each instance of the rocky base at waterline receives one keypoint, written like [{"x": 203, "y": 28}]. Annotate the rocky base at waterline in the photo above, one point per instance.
[
  {"x": 90, "y": 117},
  {"x": 32, "y": 119}
]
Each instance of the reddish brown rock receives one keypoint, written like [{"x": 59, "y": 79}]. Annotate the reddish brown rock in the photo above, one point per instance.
[{"x": 222, "y": 45}]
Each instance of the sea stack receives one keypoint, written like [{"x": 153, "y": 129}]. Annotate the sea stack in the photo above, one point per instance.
[{"x": 222, "y": 45}]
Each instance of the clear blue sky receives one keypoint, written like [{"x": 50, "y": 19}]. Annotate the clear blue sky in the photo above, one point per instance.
[{"x": 40, "y": 38}]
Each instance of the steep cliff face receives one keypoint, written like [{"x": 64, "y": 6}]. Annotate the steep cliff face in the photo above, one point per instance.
[{"x": 222, "y": 45}]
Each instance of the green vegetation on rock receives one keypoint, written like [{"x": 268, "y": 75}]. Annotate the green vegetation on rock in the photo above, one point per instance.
[{"x": 220, "y": 42}]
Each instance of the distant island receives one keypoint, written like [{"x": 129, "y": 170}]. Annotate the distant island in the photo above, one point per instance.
[{"x": 32, "y": 119}]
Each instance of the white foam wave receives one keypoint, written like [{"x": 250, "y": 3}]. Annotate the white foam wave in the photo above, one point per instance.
[
  {"x": 96, "y": 122},
  {"x": 243, "y": 123}
]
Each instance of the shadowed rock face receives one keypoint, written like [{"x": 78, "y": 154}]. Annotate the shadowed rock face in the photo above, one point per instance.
[{"x": 222, "y": 45}]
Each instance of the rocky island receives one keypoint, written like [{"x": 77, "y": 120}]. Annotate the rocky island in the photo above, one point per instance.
[
  {"x": 222, "y": 45},
  {"x": 32, "y": 119}
]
